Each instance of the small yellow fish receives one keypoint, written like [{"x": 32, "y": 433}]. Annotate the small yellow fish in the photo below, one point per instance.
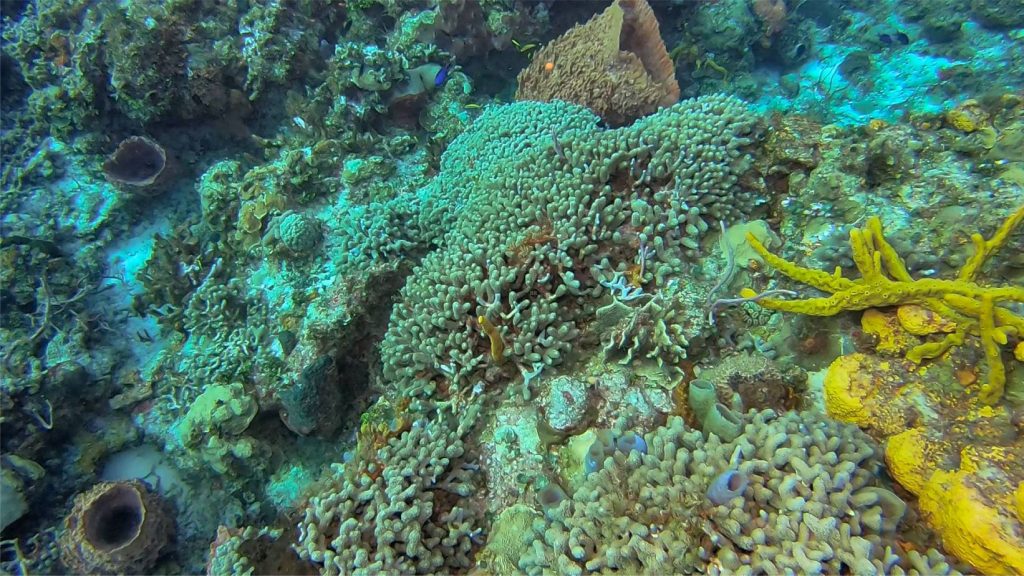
[
  {"x": 524, "y": 48},
  {"x": 473, "y": 106},
  {"x": 497, "y": 346}
]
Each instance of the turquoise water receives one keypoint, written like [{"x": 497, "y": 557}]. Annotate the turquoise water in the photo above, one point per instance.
[{"x": 505, "y": 287}]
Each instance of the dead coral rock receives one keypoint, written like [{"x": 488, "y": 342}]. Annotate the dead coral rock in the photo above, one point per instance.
[
  {"x": 615, "y": 64},
  {"x": 254, "y": 551},
  {"x": 116, "y": 528},
  {"x": 759, "y": 382}
]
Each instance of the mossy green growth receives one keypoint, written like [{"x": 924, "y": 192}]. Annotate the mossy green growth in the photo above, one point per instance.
[
  {"x": 220, "y": 410},
  {"x": 359, "y": 170},
  {"x": 219, "y": 195}
]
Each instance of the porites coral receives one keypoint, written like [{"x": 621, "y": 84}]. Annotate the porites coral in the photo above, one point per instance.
[
  {"x": 541, "y": 206},
  {"x": 811, "y": 506}
]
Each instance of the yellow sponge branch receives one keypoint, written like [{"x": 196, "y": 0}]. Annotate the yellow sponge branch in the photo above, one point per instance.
[
  {"x": 821, "y": 280},
  {"x": 885, "y": 281},
  {"x": 983, "y": 249}
]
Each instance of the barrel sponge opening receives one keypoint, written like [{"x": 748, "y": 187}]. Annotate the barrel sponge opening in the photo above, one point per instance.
[
  {"x": 138, "y": 162},
  {"x": 116, "y": 528},
  {"x": 115, "y": 518}
]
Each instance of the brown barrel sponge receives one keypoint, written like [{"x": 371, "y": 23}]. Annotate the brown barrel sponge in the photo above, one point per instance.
[
  {"x": 615, "y": 64},
  {"x": 116, "y": 528},
  {"x": 139, "y": 163}
]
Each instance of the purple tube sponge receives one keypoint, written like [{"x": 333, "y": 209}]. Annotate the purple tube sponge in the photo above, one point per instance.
[
  {"x": 594, "y": 458},
  {"x": 606, "y": 445},
  {"x": 631, "y": 441},
  {"x": 726, "y": 486}
]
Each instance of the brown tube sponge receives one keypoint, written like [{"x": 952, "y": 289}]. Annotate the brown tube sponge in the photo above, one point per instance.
[
  {"x": 139, "y": 163},
  {"x": 615, "y": 64},
  {"x": 115, "y": 528}
]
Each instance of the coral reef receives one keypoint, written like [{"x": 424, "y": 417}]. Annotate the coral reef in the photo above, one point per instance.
[
  {"x": 663, "y": 329},
  {"x": 811, "y": 504},
  {"x": 403, "y": 512},
  {"x": 116, "y": 528},
  {"x": 615, "y": 64},
  {"x": 589, "y": 205},
  {"x": 341, "y": 300},
  {"x": 250, "y": 550}
]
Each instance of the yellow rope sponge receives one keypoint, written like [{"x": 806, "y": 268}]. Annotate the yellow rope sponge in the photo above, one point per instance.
[{"x": 885, "y": 281}]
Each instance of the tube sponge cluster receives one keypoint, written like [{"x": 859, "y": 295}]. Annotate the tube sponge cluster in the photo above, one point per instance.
[
  {"x": 403, "y": 513},
  {"x": 607, "y": 443},
  {"x": 550, "y": 209},
  {"x": 807, "y": 503}
]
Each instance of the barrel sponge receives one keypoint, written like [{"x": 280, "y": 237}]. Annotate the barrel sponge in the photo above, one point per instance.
[
  {"x": 805, "y": 500},
  {"x": 138, "y": 163},
  {"x": 546, "y": 208},
  {"x": 404, "y": 513},
  {"x": 116, "y": 528},
  {"x": 615, "y": 64}
]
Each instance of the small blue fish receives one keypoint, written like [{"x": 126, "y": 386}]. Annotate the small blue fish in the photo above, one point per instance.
[
  {"x": 885, "y": 39},
  {"x": 901, "y": 38},
  {"x": 442, "y": 75}
]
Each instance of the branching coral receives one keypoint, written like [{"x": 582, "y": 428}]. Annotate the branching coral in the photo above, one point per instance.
[
  {"x": 406, "y": 513},
  {"x": 810, "y": 505},
  {"x": 533, "y": 234},
  {"x": 885, "y": 282}
]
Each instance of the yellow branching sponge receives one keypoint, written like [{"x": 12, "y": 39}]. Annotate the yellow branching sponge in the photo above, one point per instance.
[{"x": 974, "y": 309}]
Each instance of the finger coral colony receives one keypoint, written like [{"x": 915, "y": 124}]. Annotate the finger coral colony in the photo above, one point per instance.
[{"x": 501, "y": 287}]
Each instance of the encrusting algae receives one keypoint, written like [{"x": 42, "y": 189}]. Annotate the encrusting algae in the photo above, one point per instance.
[{"x": 973, "y": 308}]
